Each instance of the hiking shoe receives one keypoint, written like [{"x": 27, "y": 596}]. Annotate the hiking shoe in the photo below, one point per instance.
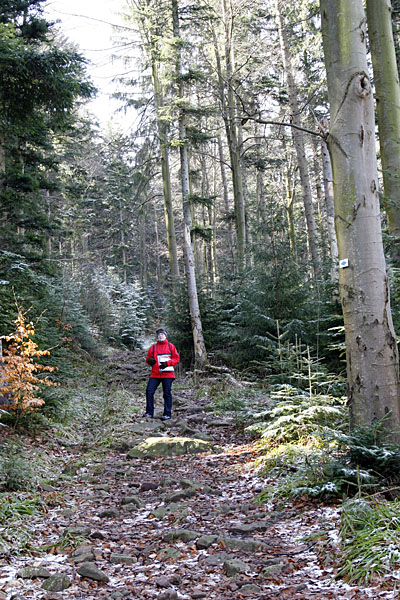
[
  {"x": 165, "y": 418},
  {"x": 148, "y": 415}
]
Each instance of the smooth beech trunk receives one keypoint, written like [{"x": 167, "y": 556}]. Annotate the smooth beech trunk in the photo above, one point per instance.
[
  {"x": 387, "y": 90},
  {"x": 200, "y": 353},
  {"x": 372, "y": 360},
  {"x": 148, "y": 15},
  {"x": 330, "y": 212}
]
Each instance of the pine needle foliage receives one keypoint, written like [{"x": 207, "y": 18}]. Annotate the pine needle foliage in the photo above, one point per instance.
[
  {"x": 362, "y": 462},
  {"x": 298, "y": 415}
]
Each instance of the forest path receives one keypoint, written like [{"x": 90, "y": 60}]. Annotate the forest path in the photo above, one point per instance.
[{"x": 175, "y": 527}]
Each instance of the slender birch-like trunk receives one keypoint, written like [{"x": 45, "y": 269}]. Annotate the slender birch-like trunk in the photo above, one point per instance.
[
  {"x": 372, "y": 359},
  {"x": 123, "y": 241},
  {"x": 229, "y": 116},
  {"x": 166, "y": 177},
  {"x": 148, "y": 15},
  {"x": 320, "y": 196},
  {"x": 387, "y": 90},
  {"x": 330, "y": 212},
  {"x": 225, "y": 196},
  {"x": 158, "y": 261},
  {"x": 298, "y": 140},
  {"x": 289, "y": 208},
  {"x": 2, "y": 158},
  {"x": 200, "y": 352}
]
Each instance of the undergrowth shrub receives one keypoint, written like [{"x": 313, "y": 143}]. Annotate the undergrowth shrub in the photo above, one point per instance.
[
  {"x": 19, "y": 368},
  {"x": 17, "y": 470},
  {"x": 297, "y": 415},
  {"x": 339, "y": 465},
  {"x": 15, "y": 534},
  {"x": 369, "y": 540}
]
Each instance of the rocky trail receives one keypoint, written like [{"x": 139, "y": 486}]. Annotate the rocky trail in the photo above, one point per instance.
[{"x": 167, "y": 511}]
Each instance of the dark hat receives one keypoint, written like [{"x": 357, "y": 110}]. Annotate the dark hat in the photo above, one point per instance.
[{"x": 162, "y": 331}]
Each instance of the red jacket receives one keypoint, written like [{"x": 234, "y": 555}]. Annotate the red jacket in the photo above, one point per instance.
[{"x": 163, "y": 352}]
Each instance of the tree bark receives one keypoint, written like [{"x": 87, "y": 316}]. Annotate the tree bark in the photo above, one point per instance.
[
  {"x": 372, "y": 359},
  {"x": 200, "y": 352},
  {"x": 387, "y": 90},
  {"x": 166, "y": 178},
  {"x": 158, "y": 261},
  {"x": 330, "y": 213},
  {"x": 226, "y": 196},
  {"x": 298, "y": 140},
  {"x": 316, "y": 145},
  {"x": 229, "y": 116}
]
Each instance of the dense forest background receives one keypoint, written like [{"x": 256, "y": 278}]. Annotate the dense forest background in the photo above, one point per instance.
[
  {"x": 96, "y": 226},
  {"x": 254, "y": 213}
]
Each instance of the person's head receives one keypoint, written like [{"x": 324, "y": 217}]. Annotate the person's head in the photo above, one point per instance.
[{"x": 161, "y": 334}]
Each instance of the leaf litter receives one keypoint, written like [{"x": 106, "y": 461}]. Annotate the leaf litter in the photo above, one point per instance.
[{"x": 224, "y": 499}]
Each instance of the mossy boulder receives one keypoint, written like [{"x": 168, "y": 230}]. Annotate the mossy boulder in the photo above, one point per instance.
[{"x": 169, "y": 446}]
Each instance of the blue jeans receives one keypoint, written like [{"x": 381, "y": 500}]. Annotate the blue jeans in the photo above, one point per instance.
[{"x": 152, "y": 385}]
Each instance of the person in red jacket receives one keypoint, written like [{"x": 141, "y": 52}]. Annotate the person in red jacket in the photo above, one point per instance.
[{"x": 162, "y": 356}]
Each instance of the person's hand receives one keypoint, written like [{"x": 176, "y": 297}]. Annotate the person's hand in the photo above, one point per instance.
[
  {"x": 164, "y": 365},
  {"x": 151, "y": 361}
]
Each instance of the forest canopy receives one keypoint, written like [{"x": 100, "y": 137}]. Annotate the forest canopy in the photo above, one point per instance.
[{"x": 218, "y": 215}]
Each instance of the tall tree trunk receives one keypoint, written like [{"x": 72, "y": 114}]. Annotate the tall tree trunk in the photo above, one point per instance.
[
  {"x": 330, "y": 212},
  {"x": 2, "y": 158},
  {"x": 229, "y": 117},
  {"x": 387, "y": 89},
  {"x": 320, "y": 196},
  {"x": 123, "y": 241},
  {"x": 290, "y": 198},
  {"x": 158, "y": 261},
  {"x": 225, "y": 196},
  {"x": 194, "y": 309},
  {"x": 143, "y": 248},
  {"x": 166, "y": 177},
  {"x": 372, "y": 359},
  {"x": 298, "y": 140}
]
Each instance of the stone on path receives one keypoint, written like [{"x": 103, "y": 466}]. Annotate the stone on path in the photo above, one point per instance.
[
  {"x": 186, "y": 535},
  {"x": 250, "y": 590},
  {"x": 56, "y": 583},
  {"x": 33, "y": 573},
  {"x": 249, "y": 544},
  {"x": 78, "y": 530},
  {"x": 162, "y": 511},
  {"x": 146, "y": 426},
  {"x": 123, "y": 559},
  {"x": 90, "y": 571},
  {"x": 169, "y": 446},
  {"x": 248, "y": 528},
  {"x": 168, "y": 595},
  {"x": 174, "y": 497},
  {"x": 131, "y": 500},
  {"x": 234, "y": 566},
  {"x": 205, "y": 541},
  {"x": 109, "y": 512}
]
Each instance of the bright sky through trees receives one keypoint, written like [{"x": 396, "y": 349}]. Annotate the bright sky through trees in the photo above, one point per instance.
[{"x": 89, "y": 25}]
